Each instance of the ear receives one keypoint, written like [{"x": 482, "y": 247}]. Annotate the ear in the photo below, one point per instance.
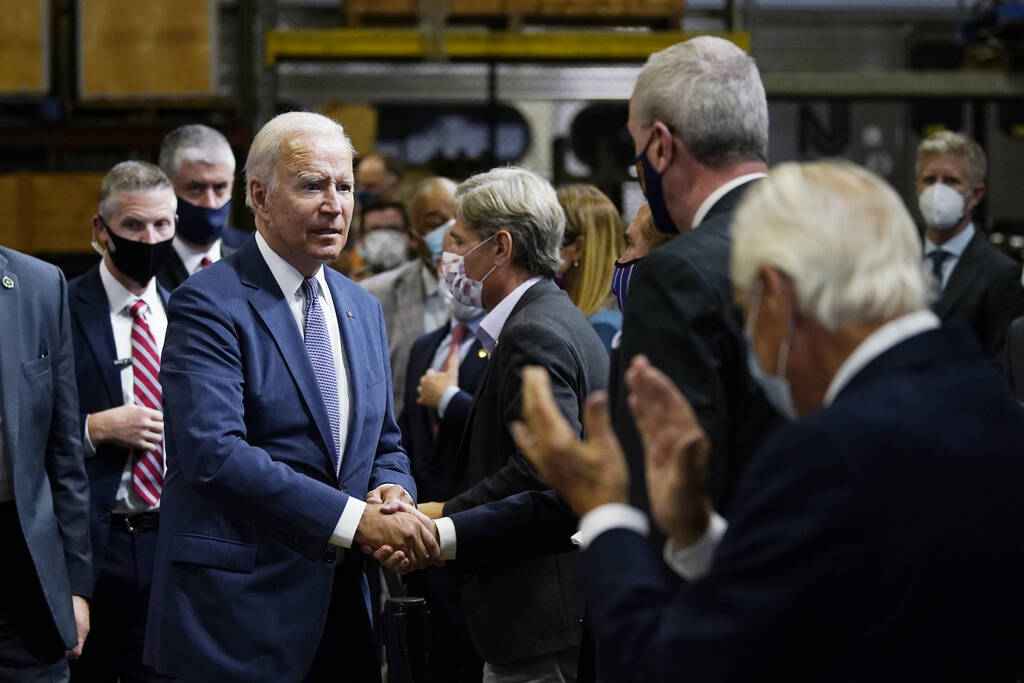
[
  {"x": 779, "y": 296},
  {"x": 976, "y": 194},
  {"x": 99, "y": 233},
  {"x": 258, "y": 194},
  {"x": 505, "y": 250},
  {"x": 574, "y": 250},
  {"x": 662, "y": 147}
]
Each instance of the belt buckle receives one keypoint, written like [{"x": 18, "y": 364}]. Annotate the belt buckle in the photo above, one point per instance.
[{"x": 128, "y": 526}]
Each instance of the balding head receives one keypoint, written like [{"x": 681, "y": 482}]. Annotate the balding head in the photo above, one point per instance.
[{"x": 432, "y": 205}]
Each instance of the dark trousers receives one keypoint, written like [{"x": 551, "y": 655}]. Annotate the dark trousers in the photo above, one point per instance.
[
  {"x": 30, "y": 646},
  {"x": 118, "y": 611},
  {"x": 346, "y": 650},
  {"x": 453, "y": 659}
]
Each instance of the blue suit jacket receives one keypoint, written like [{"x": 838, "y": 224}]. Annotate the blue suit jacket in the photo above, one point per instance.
[
  {"x": 434, "y": 459},
  {"x": 99, "y": 388},
  {"x": 251, "y": 498},
  {"x": 877, "y": 539},
  {"x": 39, "y": 429}
]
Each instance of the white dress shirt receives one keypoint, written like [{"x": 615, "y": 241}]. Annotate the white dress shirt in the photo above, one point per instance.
[
  {"x": 954, "y": 247},
  {"x": 120, "y": 301},
  {"x": 721, "y": 191},
  {"x": 693, "y": 561},
  {"x": 192, "y": 258},
  {"x": 290, "y": 281}
]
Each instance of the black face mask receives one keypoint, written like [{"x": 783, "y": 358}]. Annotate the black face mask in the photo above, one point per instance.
[
  {"x": 650, "y": 183},
  {"x": 138, "y": 260},
  {"x": 199, "y": 224}
]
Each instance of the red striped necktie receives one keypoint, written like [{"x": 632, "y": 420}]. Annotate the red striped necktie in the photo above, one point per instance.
[
  {"x": 148, "y": 473},
  {"x": 205, "y": 262}
]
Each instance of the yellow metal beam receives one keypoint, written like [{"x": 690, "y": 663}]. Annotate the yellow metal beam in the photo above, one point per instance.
[{"x": 352, "y": 43}]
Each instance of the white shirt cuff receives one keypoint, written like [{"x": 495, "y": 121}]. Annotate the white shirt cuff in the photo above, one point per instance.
[
  {"x": 446, "y": 398},
  {"x": 694, "y": 561},
  {"x": 610, "y": 516},
  {"x": 88, "y": 448},
  {"x": 446, "y": 537},
  {"x": 345, "y": 530}
]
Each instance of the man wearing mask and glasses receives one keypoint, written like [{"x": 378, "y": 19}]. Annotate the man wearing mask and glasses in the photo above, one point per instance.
[
  {"x": 976, "y": 283},
  {"x": 118, "y": 313},
  {"x": 200, "y": 164}
]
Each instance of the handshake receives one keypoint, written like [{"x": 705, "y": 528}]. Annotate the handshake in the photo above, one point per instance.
[{"x": 396, "y": 533}]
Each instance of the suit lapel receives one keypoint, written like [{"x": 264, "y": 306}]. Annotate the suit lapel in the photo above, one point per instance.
[
  {"x": 93, "y": 313},
  {"x": 964, "y": 272},
  {"x": 271, "y": 307},
  {"x": 10, "y": 361},
  {"x": 356, "y": 368}
]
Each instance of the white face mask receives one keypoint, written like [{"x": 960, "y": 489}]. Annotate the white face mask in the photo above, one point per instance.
[
  {"x": 384, "y": 249},
  {"x": 463, "y": 288},
  {"x": 941, "y": 206}
]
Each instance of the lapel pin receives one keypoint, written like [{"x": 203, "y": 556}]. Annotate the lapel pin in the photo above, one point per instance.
[
  {"x": 481, "y": 354},
  {"x": 8, "y": 283},
  {"x": 349, "y": 314}
]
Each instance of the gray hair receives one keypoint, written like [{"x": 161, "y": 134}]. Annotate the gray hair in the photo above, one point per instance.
[
  {"x": 710, "y": 93},
  {"x": 956, "y": 144},
  {"x": 264, "y": 153},
  {"x": 843, "y": 237},
  {"x": 194, "y": 142},
  {"x": 522, "y": 203},
  {"x": 130, "y": 176}
]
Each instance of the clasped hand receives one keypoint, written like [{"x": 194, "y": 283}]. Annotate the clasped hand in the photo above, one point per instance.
[{"x": 392, "y": 530}]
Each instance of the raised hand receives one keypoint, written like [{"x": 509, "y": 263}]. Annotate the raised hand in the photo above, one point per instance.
[
  {"x": 433, "y": 384},
  {"x": 675, "y": 452},
  {"x": 586, "y": 473}
]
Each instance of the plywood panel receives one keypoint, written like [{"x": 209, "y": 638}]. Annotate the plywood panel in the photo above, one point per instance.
[
  {"x": 13, "y": 231},
  {"x": 24, "y": 47},
  {"x": 128, "y": 48},
  {"x": 61, "y": 211}
]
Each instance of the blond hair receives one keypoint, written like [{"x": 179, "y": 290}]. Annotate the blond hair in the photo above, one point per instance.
[{"x": 588, "y": 212}]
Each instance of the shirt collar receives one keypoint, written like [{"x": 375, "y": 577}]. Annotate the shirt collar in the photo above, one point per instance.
[
  {"x": 471, "y": 325},
  {"x": 192, "y": 257},
  {"x": 119, "y": 297},
  {"x": 492, "y": 323},
  {"x": 720, "y": 192},
  {"x": 878, "y": 342},
  {"x": 955, "y": 245},
  {"x": 287, "y": 277}
]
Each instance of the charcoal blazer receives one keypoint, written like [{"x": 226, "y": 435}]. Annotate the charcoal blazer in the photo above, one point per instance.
[
  {"x": 433, "y": 458},
  {"x": 99, "y": 388},
  {"x": 243, "y": 571},
  {"x": 527, "y": 607},
  {"x": 984, "y": 290},
  {"x": 40, "y": 432},
  {"x": 680, "y": 313},
  {"x": 873, "y": 540}
]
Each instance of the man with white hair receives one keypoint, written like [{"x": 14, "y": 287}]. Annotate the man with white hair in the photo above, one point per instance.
[
  {"x": 201, "y": 166},
  {"x": 977, "y": 283},
  {"x": 283, "y": 443},
  {"x": 501, "y": 255},
  {"x": 876, "y": 538},
  {"x": 698, "y": 118}
]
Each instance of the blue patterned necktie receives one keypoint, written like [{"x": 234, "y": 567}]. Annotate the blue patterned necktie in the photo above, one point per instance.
[
  {"x": 938, "y": 257},
  {"x": 318, "y": 346}
]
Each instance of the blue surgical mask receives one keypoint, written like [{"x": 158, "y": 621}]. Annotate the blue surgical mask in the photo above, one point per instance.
[
  {"x": 650, "y": 183},
  {"x": 199, "y": 224},
  {"x": 620, "y": 280},
  {"x": 776, "y": 387},
  {"x": 435, "y": 239}
]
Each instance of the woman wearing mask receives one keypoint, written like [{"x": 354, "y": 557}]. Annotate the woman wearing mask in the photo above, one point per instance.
[
  {"x": 640, "y": 237},
  {"x": 593, "y": 239}
]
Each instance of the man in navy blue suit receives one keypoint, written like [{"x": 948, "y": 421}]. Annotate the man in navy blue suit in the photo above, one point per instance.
[
  {"x": 874, "y": 538},
  {"x": 119, "y": 406},
  {"x": 278, "y": 414}
]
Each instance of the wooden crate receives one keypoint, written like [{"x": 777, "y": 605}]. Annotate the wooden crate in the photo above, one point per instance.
[
  {"x": 48, "y": 212},
  {"x": 24, "y": 47},
  {"x": 132, "y": 49}
]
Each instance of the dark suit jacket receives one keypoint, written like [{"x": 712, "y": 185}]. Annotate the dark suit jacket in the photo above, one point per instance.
[
  {"x": 242, "y": 583},
  {"x": 40, "y": 432},
  {"x": 99, "y": 388},
  {"x": 680, "y": 313},
  {"x": 1013, "y": 359},
  {"x": 527, "y": 607},
  {"x": 983, "y": 290},
  {"x": 173, "y": 272},
  {"x": 233, "y": 237},
  {"x": 433, "y": 459},
  {"x": 874, "y": 540}
]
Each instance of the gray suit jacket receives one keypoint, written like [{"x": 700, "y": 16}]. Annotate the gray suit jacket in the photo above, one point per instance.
[
  {"x": 403, "y": 293},
  {"x": 40, "y": 431}
]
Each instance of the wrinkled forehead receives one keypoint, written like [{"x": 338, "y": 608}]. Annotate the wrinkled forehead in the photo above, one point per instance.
[
  {"x": 154, "y": 203},
  {"x": 321, "y": 152}
]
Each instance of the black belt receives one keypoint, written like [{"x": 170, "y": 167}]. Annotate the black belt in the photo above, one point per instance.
[{"x": 142, "y": 521}]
